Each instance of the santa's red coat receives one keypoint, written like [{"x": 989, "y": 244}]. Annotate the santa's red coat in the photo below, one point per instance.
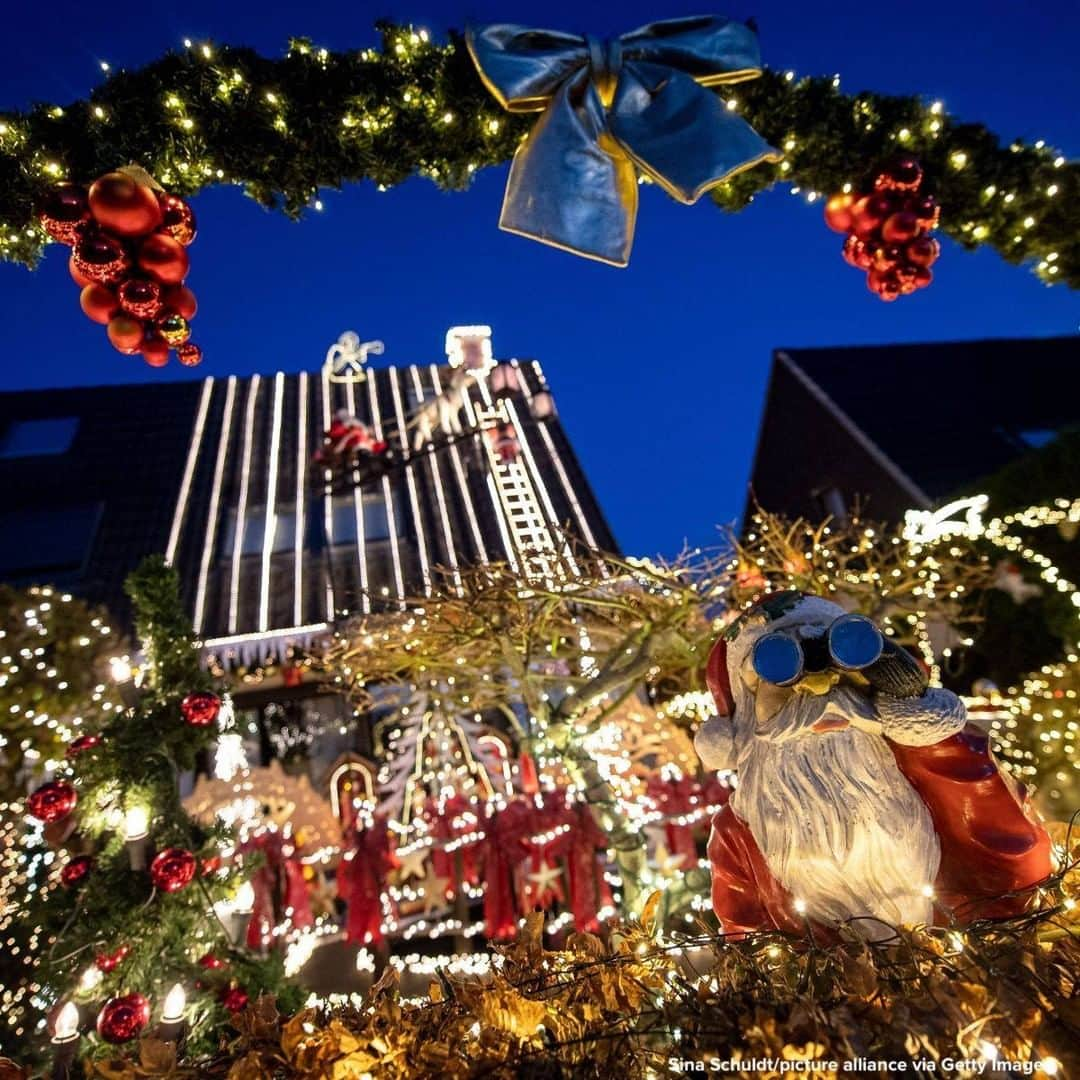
[{"x": 993, "y": 845}]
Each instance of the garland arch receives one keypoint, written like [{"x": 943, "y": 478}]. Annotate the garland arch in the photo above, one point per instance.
[{"x": 286, "y": 128}]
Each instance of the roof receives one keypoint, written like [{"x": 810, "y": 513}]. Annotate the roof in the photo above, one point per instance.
[{"x": 949, "y": 413}]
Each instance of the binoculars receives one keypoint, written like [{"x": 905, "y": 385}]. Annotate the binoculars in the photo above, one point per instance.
[{"x": 850, "y": 643}]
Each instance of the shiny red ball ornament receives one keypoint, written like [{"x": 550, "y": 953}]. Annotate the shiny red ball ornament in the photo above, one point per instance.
[
  {"x": 234, "y": 999},
  {"x": 178, "y": 220},
  {"x": 106, "y": 962},
  {"x": 172, "y": 869},
  {"x": 857, "y": 254},
  {"x": 52, "y": 801},
  {"x": 141, "y": 299},
  {"x": 126, "y": 334},
  {"x": 180, "y": 300},
  {"x": 886, "y": 257},
  {"x": 122, "y": 1018},
  {"x": 189, "y": 354},
  {"x": 923, "y": 251},
  {"x": 75, "y": 871},
  {"x": 838, "y": 213},
  {"x": 63, "y": 212},
  {"x": 923, "y": 276},
  {"x": 903, "y": 174},
  {"x": 212, "y": 962},
  {"x": 77, "y": 275},
  {"x": 884, "y": 283},
  {"x": 81, "y": 744},
  {"x": 123, "y": 205},
  {"x": 101, "y": 258},
  {"x": 99, "y": 303},
  {"x": 155, "y": 351},
  {"x": 200, "y": 709},
  {"x": 900, "y": 227},
  {"x": 926, "y": 211},
  {"x": 174, "y": 329},
  {"x": 164, "y": 259}
]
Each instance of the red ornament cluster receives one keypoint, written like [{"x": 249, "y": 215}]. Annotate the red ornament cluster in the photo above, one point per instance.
[
  {"x": 200, "y": 709},
  {"x": 122, "y": 1018},
  {"x": 107, "y": 962},
  {"x": 129, "y": 256},
  {"x": 52, "y": 801},
  {"x": 889, "y": 230},
  {"x": 172, "y": 869}
]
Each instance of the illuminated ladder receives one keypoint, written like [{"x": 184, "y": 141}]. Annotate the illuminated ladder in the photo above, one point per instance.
[{"x": 520, "y": 503}]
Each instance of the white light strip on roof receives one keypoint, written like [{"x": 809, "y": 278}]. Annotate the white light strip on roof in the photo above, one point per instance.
[
  {"x": 239, "y": 639},
  {"x": 388, "y": 494},
  {"x": 571, "y": 495},
  {"x": 189, "y": 470},
  {"x": 466, "y": 495},
  {"x": 410, "y": 482},
  {"x": 241, "y": 507},
  {"x": 358, "y": 508},
  {"x": 538, "y": 480},
  {"x": 270, "y": 516},
  {"x": 440, "y": 495},
  {"x": 328, "y": 503},
  {"x": 215, "y": 499},
  {"x": 300, "y": 531}
]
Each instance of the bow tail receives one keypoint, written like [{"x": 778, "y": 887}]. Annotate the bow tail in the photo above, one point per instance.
[
  {"x": 571, "y": 185},
  {"x": 680, "y": 134}
]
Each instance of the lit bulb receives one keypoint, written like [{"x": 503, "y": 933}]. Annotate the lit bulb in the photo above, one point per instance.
[
  {"x": 800, "y": 906},
  {"x": 136, "y": 821},
  {"x": 245, "y": 898},
  {"x": 1050, "y": 1066},
  {"x": 67, "y": 1023},
  {"x": 90, "y": 978},
  {"x": 120, "y": 669},
  {"x": 988, "y": 1050},
  {"x": 175, "y": 1000}
]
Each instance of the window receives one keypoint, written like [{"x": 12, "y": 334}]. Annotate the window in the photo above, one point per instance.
[
  {"x": 254, "y": 528},
  {"x": 376, "y": 519},
  {"x": 47, "y": 543},
  {"x": 38, "y": 438}
]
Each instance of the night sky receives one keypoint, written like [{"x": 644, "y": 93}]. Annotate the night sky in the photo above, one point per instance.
[{"x": 659, "y": 370}]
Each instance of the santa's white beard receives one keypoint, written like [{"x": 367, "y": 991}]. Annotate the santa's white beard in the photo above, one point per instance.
[{"x": 840, "y": 827}]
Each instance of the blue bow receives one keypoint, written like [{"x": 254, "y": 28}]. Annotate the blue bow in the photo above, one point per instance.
[{"x": 636, "y": 102}]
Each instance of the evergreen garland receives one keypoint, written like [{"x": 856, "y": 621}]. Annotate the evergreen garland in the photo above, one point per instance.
[{"x": 286, "y": 128}]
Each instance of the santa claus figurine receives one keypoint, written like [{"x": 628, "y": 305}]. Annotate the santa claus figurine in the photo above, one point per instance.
[{"x": 864, "y": 797}]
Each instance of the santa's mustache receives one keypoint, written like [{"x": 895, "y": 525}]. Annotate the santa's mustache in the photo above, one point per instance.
[{"x": 803, "y": 712}]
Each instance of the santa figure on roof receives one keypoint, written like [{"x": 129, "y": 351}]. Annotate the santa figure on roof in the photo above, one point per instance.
[{"x": 864, "y": 797}]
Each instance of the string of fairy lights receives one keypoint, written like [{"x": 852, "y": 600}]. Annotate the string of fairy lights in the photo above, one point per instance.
[{"x": 315, "y": 118}]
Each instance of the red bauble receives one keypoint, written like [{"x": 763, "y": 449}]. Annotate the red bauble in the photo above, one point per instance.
[
  {"x": 77, "y": 275},
  {"x": 200, "y": 709},
  {"x": 212, "y": 962},
  {"x": 122, "y": 1018},
  {"x": 172, "y": 869},
  {"x": 926, "y": 211},
  {"x": 174, "y": 329},
  {"x": 155, "y": 351},
  {"x": 81, "y": 744},
  {"x": 106, "y": 962},
  {"x": 885, "y": 258},
  {"x": 180, "y": 300},
  {"x": 189, "y": 354},
  {"x": 141, "y": 299},
  {"x": 123, "y": 205},
  {"x": 856, "y": 253},
  {"x": 164, "y": 259},
  {"x": 101, "y": 258},
  {"x": 75, "y": 871},
  {"x": 903, "y": 174},
  {"x": 838, "y": 213},
  {"x": 52, "y": 801},
  {"x": 923, "y": 276},
  {"x": 63, "y": 212},
  {"x": 923, "y": 251},
  {"x": 98, "y": 303},
  {"x": 884, "y": 283},
  {"x": 234, "y": 999},
  {"x": 869, "y": 214},
  {"x": 900, "y": 227},
  {"x": 179, "y": 221},
  {"x": 126, "y": 334}
]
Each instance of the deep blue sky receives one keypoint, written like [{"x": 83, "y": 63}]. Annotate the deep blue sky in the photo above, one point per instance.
[{"x": 659, "y": 370}]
